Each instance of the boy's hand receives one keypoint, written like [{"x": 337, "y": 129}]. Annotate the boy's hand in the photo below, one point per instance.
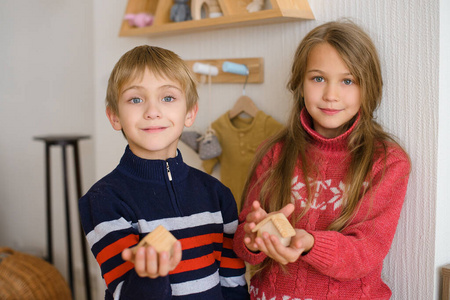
[
  {"x": 148, "y": 263},
  {"x": 271, "y": 245},
  {"x": 254, "y": 217}
]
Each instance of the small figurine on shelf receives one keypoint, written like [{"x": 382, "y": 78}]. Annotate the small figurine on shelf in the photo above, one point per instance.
[
  {"x": 139, "y": 19},
  {"x": 202, "y": 9},
  {"x": 180, "y": 11},
  {"x": 255, "y": 5}
]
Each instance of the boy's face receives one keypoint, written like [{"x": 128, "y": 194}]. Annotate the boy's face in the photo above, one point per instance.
[{"x": 152, "y": 114}]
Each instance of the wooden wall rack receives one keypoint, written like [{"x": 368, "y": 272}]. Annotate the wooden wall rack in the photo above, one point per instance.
[
  {"x": 234, "y": 12},
  {"x": 255, "y": 67}
]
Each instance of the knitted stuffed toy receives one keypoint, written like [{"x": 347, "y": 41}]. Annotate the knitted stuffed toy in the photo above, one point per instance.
[
  {"x": 180, "y": 11},
  {"x": 207, "y": 146},
  {"x": 139, "y": 20}
]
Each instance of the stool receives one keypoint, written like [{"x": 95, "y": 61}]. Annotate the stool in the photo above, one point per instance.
[
  {"x": 445, "y": 282},
  {"x": 64, "y": 141}
]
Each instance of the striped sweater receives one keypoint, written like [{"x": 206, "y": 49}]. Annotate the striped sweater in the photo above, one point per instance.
[{"x": 196, "y": 208}]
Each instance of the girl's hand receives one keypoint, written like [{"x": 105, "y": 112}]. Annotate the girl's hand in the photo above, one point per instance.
[
  {"x": 148, "y": 263},
  {"x": 254, "y": 217},
  {"x": 300, "y": 243}
]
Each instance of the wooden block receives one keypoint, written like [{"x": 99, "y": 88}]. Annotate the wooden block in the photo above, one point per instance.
[
  {"x": 278, "y": 225},
  {"x": 160, "y": 239}
]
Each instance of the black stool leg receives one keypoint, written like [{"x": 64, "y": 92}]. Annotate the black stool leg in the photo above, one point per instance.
[
  {"x": 69, "y": 236},
  {"x": 83, "y": 239},
  {"x": 49, "y": 205},
  {"x": 63, "y": 141}
]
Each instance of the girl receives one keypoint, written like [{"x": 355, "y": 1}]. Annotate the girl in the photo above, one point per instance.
[{"x": 334, "y": 171}]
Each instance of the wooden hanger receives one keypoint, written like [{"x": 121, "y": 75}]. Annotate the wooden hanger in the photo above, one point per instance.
[{"x": 243, "y": 104}]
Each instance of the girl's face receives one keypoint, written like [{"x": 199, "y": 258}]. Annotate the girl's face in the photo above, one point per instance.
[
  {"x": 332, "y": 97},
  {"x": 152, "y": 114}
]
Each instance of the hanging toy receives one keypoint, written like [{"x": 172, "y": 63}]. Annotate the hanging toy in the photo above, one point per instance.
[
  {"x": 191, "y": 138},
  {"x": 209, "y": 146}
]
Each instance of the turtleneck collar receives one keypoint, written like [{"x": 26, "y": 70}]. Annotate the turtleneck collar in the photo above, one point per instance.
[
  {"x": 336, "y": 143},
  {"x": 146, "y": 169}
]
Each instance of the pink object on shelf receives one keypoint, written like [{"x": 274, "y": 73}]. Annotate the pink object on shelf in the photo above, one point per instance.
[{"x": 139, "y": 19}]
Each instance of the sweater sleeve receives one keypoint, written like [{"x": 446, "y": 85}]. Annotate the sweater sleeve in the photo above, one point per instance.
[
  {"x": 254, "y": 189},
  {"x": 364, "y": 243},
  {"x": 232, "y": 268},
  {"x": 107, "y": 223}
]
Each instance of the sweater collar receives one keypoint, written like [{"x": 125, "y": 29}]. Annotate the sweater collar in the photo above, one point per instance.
[
  {"x": 337, "y": 143},
  {"x": 146, "y": 169}
]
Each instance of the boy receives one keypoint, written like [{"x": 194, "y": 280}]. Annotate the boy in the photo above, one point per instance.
[{"x": 151, "y": 96}]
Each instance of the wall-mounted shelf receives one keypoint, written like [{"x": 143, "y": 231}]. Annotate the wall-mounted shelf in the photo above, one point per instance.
[
  {"x": 255, "y": 67},
  {"x": 234, "y": 12}
]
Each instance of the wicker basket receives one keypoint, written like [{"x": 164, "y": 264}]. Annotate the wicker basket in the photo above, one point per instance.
[{"x": 24, "y": 277}]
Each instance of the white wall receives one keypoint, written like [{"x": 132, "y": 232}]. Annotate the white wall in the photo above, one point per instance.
[
  {"x": 443, "y": 172},
  {"x": 46, "y": 87},
  {"x": 55, "y": 59}
]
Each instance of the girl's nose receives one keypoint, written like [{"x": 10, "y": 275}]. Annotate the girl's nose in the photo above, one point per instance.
[
  {"x": 331, "y": 93},
  {"x": 152, "y": 111}
]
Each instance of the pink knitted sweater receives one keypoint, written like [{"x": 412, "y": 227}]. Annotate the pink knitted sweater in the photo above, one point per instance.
[{"x": 341, "y": 265}]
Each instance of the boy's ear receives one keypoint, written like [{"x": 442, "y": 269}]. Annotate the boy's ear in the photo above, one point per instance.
[
  {"x": 113, "y": 119},
  {"x": 190, "y": 116}
]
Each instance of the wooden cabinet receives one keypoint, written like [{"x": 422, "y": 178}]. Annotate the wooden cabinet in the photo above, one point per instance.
[{"x": 235, "y": 14}]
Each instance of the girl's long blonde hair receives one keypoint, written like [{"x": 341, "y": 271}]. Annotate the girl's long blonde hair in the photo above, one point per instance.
[{"x": 359, "y": 53}]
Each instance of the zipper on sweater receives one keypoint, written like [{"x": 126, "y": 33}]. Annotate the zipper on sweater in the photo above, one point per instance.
[
  {"x": 168, "y": 171},
  {"x": 173, "y": 196}
]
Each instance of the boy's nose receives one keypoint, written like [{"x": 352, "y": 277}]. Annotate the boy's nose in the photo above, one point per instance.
[{"x": 152, "y": 111}]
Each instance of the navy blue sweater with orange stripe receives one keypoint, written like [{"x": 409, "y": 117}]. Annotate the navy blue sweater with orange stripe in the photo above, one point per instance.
[{"x": 196, "y": 208}]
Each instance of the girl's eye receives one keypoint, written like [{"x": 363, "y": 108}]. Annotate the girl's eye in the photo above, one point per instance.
[
  {"x": 318, "y": 79},
  {"x": 348, "y": 81},
  {"x": 136, "y": 100},
  {"x": 168, "y": 99}
]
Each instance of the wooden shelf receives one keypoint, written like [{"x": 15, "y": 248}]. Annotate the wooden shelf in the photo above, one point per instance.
[{"x": 234, "y": 12}]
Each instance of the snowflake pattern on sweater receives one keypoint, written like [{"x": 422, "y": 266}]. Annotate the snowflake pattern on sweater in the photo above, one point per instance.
[
  {"x": 336, "y": 188},
  {"x": 254, "y": 292},
  {"x": 318, "y": 186}
]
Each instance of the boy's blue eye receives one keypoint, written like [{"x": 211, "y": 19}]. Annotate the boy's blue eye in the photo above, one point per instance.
[
  {"x": 318, "y": 79},
  {"x": 136, "y": 100},
  {"x": 168, "y": 99}
]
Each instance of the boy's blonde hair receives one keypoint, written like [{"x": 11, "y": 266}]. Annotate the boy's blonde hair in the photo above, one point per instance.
[{"x": 161, "y": 62}]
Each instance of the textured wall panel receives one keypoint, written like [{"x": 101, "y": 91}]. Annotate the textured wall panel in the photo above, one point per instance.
[{"x": 406, "y": 33}]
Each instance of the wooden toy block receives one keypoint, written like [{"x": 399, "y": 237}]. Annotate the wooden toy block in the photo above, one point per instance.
[
  {"x": 278, "y": 225},
  {"x": 160, "y": 239}
]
